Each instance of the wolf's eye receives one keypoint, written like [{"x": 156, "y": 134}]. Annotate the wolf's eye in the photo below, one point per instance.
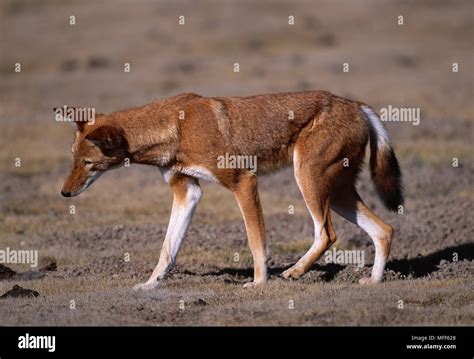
[{"x": 87, "y": 162}]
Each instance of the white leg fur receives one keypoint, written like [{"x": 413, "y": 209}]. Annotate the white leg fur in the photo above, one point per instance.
[
  {"x": 375, "y": 232},
  {"x": 181, "y": 215}
]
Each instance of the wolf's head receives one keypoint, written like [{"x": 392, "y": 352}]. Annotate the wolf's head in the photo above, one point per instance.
[{"x": 97, "y": 148}]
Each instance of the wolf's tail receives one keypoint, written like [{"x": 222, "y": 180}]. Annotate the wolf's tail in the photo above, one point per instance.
[{"x": 384, "y": 166}]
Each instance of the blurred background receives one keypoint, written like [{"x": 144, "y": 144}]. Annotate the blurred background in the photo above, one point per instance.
[{"x": 82, "y": 65}]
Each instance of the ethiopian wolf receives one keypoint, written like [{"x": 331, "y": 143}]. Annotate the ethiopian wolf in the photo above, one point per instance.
[{"x": 324, "y": 136}]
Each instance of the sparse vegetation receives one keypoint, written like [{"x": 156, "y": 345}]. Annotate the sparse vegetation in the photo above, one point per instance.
[{"x": 127, "y": 210}]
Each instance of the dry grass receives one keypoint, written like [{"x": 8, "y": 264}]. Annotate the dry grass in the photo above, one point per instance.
[{"x": 407, "y": 66}]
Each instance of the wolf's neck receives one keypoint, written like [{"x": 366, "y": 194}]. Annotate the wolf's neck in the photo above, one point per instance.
[
  {"x": 161, "y": 155},
  {"x": 152, "y": 137}
]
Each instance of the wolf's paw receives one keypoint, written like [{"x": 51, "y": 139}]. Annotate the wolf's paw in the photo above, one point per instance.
[
  {"x": 254, "y": 284},
  {"x": 368, "y": 281},
  {"x": 146, "y": 286},
  {"x": 293, "y": 273}
]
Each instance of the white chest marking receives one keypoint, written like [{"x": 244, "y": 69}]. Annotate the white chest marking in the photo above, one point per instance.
[{"x": 192, "y": 171}]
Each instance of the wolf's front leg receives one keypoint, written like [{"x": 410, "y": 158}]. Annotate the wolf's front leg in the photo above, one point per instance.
[{"x": 187, "y": 193}]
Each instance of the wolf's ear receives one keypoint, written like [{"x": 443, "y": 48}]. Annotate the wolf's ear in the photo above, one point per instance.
[
  {"x": 61, "y": 116},
  {"x": 80, "y": 125},
  {"x": 108, "y": 138}
]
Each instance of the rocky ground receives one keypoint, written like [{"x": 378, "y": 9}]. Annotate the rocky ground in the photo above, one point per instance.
[{"x": 89, "y": 260}]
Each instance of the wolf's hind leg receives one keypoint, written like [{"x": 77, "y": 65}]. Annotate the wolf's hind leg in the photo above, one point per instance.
[
  {"x": 349, "y": 205},
  {"x": 314, "y": 182}
]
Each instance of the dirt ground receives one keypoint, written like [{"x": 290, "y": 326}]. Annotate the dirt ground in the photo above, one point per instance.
[{"x": 89, "y": 260}]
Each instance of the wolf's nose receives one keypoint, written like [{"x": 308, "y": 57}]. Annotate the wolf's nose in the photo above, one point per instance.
[{"x": 65, "y": 194}]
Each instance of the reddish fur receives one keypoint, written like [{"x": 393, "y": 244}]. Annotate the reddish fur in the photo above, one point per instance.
[{"x": 325, "y": 131}]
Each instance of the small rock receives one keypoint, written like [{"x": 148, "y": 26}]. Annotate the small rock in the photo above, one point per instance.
[
  {"x": 19, "y": 292},
  {"x": 97, "y": 62},
  {"x": 51, "y": 267},
  {"x": 6, "y": 272},
  {"x": 200, "y": 302}
]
